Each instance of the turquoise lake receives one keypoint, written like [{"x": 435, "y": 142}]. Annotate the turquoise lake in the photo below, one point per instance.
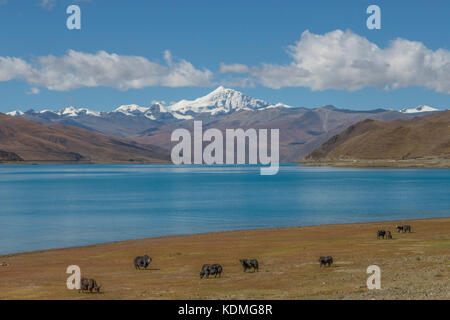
[{"x": 54, "y": 206}]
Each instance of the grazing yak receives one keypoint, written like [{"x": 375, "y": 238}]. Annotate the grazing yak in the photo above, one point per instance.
[
  {"x": 211, "y": 269},
  {"x": 381, "y": 234},
  {"x": 389, "y": 235},
  {"x": 216, "y": 270},
  {"x": 249, "y": 264},
  {"x": 89, "y": 285},
  {"x": 404, "y": 228},
  {"x": 142, "y": 262},
  {"x": 326, "y": 261}
]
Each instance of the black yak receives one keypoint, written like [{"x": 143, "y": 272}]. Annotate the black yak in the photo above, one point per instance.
[
  {"x": 381, "y": 234},
  {"x": 326, "y": 261},
  {"x": 89, "y": 285},
  {"x": 211, "y": 269},
  {"x": 249, "y": 264},
  {"x": 142, "y": 262}
]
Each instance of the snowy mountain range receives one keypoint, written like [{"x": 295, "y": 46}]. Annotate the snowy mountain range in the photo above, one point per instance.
[
  {"x": 220, "y": 101},
  {"x": 301, "y": 129}
]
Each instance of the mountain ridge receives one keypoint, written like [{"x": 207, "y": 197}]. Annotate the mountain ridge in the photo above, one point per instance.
[
  {"x": 25, "y": 140},
  {"x": 301, "y": 129},
  {"x": 219, "y": 101},
  {"x": 412, "y": 141}
]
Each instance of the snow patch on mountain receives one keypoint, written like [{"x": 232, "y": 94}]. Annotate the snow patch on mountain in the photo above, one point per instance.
[
  {"x": 75, "y": 112},
  {"x": 15, "y": 113},
  {"x": 419, "y": 109},
  {"x": 131, "y": 109},
  {"x": 278, "y": 105},
  {"x": 180, "y": 116},
  {"x": 160, "y": 105}
]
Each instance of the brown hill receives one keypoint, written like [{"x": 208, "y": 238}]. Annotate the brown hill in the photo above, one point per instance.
[
  {"x": 301, "y": 130},
  {"x": 421, "y": 139},
  {"x": 25, "y": 140}
]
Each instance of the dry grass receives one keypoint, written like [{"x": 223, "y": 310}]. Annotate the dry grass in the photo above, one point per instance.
[{"x": 413, "y": 266}]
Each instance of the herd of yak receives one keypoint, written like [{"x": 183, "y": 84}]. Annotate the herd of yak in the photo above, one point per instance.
[
  {"x": 142, "y": 262},
  {"x": 388, "y": 235}
]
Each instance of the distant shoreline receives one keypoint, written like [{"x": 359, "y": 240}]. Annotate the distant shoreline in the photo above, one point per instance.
[
  {"x": 397, "y": 164},
  {"x": 63, "y": 162},
  {"x": 394, "y": 164}
]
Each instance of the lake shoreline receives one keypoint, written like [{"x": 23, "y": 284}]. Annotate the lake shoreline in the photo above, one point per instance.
[
  {"x": 212, "y": 233},
  {"x": 413, "y": 265},
  {"x": 382, "y": 164},
  {"x": 64, "y": 162},
  {"x": 365, "y": 164}
]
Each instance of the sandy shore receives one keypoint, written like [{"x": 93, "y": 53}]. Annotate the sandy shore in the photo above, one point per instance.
[{"x": 413, "y": 265}]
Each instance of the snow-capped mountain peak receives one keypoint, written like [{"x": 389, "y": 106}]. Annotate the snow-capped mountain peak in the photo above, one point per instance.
[
  {"x": 74, "y": 112},
  {"x": 131, "y": 109},
  {"x": 221, "y": 100},
  {"x": 15, "y": 113},
  {"x": 158, "y": 106},
  {"x": 157, "y": 111},
  {"x": 419, "y": 109}
]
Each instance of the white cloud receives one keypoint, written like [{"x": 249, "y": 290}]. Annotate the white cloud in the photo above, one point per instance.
[
  {"x": 340, "y": 60},
  {"x": 33, "y": 91},
  {"x": 78, "y": 69},
  {"x": 343, "y": 60},
  {"x": 11, "y": 68},
  {"x": 50, "y": 4},
  {"x": 242, "y": 82},
  {"x": 235, "y": 68},
  {"x": 47, "y": 4}
]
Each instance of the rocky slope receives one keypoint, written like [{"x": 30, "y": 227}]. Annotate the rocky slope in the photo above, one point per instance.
[{"x": 420, "y": 139}]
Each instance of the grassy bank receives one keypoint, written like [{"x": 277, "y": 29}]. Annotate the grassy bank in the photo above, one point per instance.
[{"x": 413, "y": 265}]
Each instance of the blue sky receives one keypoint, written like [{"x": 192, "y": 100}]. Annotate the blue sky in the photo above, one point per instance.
[{"x": 185, "y": 43}]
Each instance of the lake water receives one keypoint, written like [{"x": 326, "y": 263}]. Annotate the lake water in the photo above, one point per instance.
[{"x": 53, "y": 206}]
